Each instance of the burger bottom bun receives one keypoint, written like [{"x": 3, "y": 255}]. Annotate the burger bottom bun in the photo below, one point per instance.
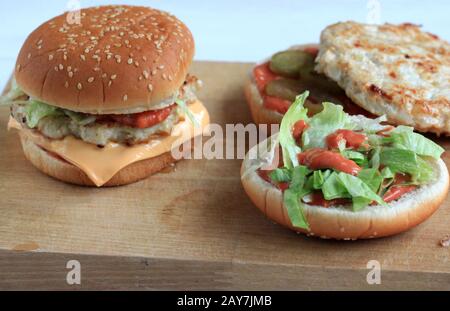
[
  {"x": 58, "y": 168},
  {"x": 342, "y": 223}
]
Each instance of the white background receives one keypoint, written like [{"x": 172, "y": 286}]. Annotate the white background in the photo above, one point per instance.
[{"x": 234, "y": 30}]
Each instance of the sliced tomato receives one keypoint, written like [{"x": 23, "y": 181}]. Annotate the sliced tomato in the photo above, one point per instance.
[
  {"x": 143, "y": 119},
  {"x": 263, "y": 75},
  {"x": 395, "y": 192},
  {"x": 318, "y": 158},
  {"x": 278, "y": 104},
  {"x": 352, "y": 139},
  {"x": 299, "y": 127}
]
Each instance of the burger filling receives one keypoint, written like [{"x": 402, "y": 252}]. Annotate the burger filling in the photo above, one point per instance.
[
  {"x": 291, "y": 72},
  {"x": 341, "y": 160},
  {"x": 99, "y": 129}
]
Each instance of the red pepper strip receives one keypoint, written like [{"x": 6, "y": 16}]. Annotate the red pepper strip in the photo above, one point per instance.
[
  {"x": 318, "y": 158},
  {"x": 353, "y": 140}
]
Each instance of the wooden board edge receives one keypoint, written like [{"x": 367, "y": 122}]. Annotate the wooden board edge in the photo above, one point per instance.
[{"x": 48, "y": 271}]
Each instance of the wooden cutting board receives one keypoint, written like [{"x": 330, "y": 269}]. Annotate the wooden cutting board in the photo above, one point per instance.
[{"x": 193, "y": 228}]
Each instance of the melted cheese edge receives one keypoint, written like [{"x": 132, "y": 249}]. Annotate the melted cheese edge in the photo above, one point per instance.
[{"x": 101, "y": 164}]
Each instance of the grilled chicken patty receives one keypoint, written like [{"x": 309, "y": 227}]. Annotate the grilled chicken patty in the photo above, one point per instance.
[
  {"x": 396, "y": 70},
  {"x": 100, "y": 131}
]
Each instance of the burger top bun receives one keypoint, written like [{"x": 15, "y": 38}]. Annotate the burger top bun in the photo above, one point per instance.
[{"x": 115, "y": 59}]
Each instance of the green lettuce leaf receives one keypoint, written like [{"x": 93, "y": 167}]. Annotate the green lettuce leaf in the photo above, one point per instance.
[
  {"x": 399, "y": 160},
  {"x": 80, "y": 118},
  {"x": 332, "y": 188},
  {"x": 187, "y": 112},
  {"x": 37, "y": 110},
  {"x": 318, "y": 178},
  {"x": 372, "y": 178},
  {"x": 14, "y": 92},
  {"x": 360, "y": 192},
  {"x": 404, "y": 137},
  {"x": 330, "y": 119},
  {"x": 292, "y": 197},
  {"x": 281, "y": 175},
  {"x": 288, "y": 144}
]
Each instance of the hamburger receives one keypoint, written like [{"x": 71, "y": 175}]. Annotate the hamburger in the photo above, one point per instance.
[
  {"x": 104, "y": 102},
  {"x": 399, "y": 71},
  {"x": 341, "y": 176}
]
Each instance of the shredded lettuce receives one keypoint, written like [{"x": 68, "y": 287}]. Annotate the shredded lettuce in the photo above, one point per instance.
[
  {"x": 292, "y": 197},
  {"x": 288, "y": 144},
  {"x": 361, "y": 193},
  {"x": 186, "y": 111},
  {"x": 371, "y": 177},
  {"x": 80, "y": 118},
  {"x": 404, "y": 137},
  {"x": 14, "y": 92},
  {"x": 399, "y": 160},
  {"x": 36, "y": 110},
  {"x": 329, "y": 120},
  {"x": 332, "y": 188},
  {"x": 281, "y": 175}
]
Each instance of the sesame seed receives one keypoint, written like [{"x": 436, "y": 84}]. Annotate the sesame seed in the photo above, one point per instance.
[
  {"x": 161, "y": 67},
  {"x": 110, "y": 82},
  {"x": 29, "y": 55},
  {"x": 83, "y": 57},
  {"x": 170, "y": 78},
  {"x": 18, "y": 67},
  {"x": 150, "y": 87},
  {"x": 70, "y": 74},
  {"x": 164, "y": 76},
  {"x": 50, "y": 57},
  {"x": 104, "y": 75},
  {"x": 136, "y": 64},
  {"x": 125, "y": 97},
  {"x": 113, "y": 77},
  {"x": 69, "y": 68},
  {"x": 153, "y": 72},
  {"x": 61, "y": 66},
  {"x": 91, "y": 79},
  {"x": 65, "y": 56},
  {"x": 86, "y": 50},
  {"x": 66, "y": 85},
  {"x": 145, "y": 73},
  {"x": 56, "y": 68},
  {"x": 130, "y": 61},
  {"x": 79, "y": 86}
]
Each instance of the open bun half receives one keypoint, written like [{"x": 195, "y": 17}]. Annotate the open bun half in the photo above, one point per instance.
[{"x": 341, "y": 222}]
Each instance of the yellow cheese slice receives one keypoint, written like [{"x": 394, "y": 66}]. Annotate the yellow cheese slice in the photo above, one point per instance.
[{"x": 101, "y": 164}]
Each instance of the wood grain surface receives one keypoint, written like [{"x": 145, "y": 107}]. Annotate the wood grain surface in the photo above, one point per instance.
[{"x": 191, "y": 228}]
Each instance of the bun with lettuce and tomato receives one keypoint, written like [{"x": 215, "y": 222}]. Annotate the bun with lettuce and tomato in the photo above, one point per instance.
[
  {"x": 341, "y": 176},
  {"x": 104, "y": 101}
]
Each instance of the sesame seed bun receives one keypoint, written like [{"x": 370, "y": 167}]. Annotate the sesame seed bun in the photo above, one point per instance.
[
  {"x": 119, "y": 59},
  {"x": 337, "y": 222}
]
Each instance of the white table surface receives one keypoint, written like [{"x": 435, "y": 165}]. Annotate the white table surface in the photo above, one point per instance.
[{"x": 233, "y": 30}]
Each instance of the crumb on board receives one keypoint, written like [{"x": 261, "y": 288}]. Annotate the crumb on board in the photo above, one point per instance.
[{"x": 445, "y": 242}]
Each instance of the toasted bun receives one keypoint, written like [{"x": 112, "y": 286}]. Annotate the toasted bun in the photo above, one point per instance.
[
  {"x": 260, "y": 114},
  {"x": 58, "y": 168},
  {"x": 342, "y": 223},
  {"x": 118, "y": 59}
]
